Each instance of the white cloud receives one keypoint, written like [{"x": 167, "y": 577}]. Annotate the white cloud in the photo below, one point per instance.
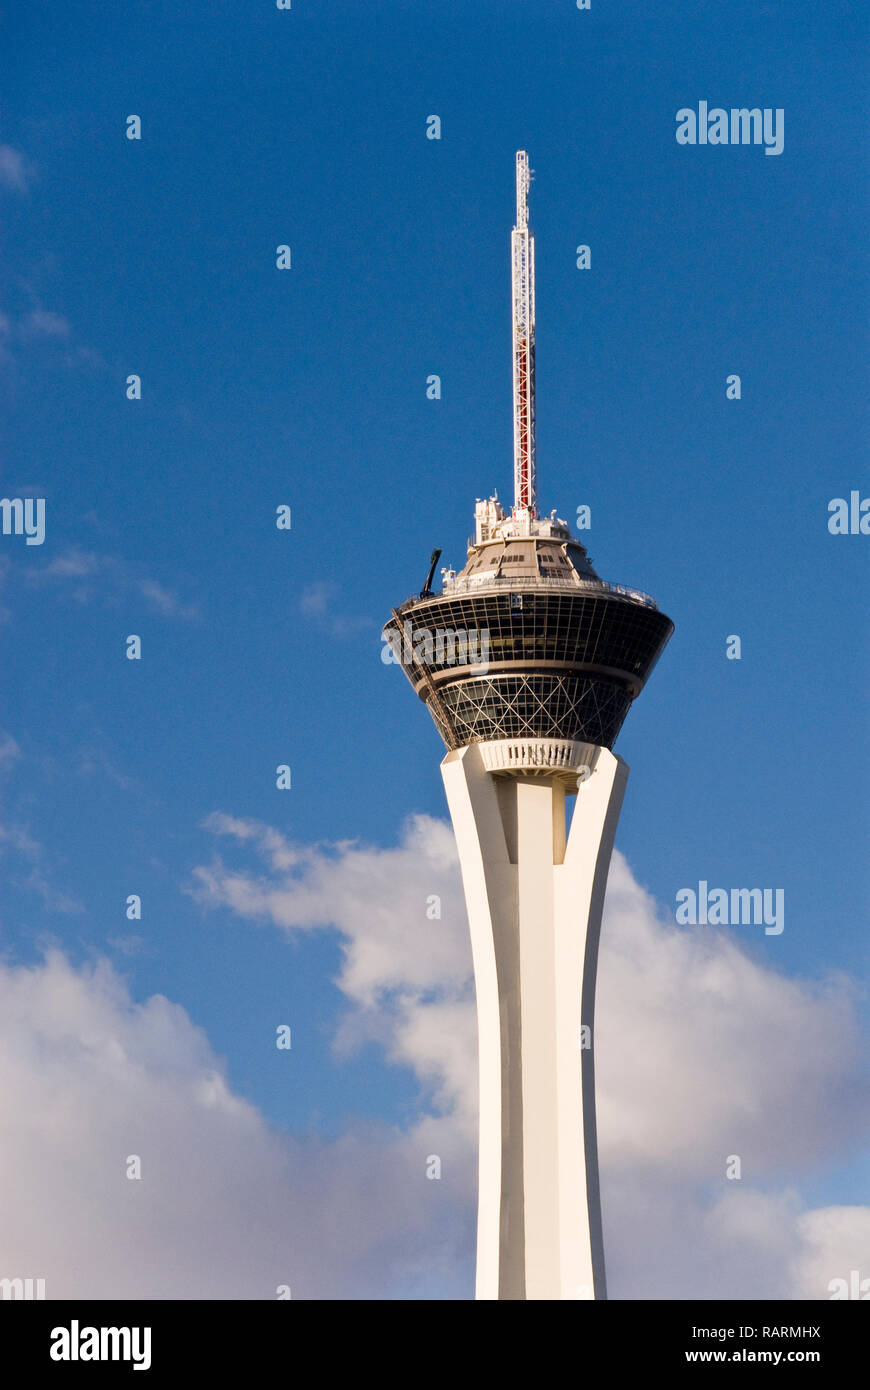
[
  {"x": 318, "y": 601},
  {"x": 9, "y": 750},
  {"x": 315, "y": 599},
  {"x": 107, "y": 576},
  {"x": 15, "y": 172},
  {"x": 407, "y": 975},
  {"x": 702, "y": 1053},
  {"x": 17, "y": 842},
  {"x": 225, "y": 1207},
  {"x": 836, "y": 1242},
  {"x": 72, "y": 564},
  {"x": 16, "y": 838},
  {"x": 37, "y": 326},
  {"x": 731, "y": 1058},
  {"x": 44, "y": 323},
  {"x": 375, "y": 897},
  {"x": 165, "y": 601}
]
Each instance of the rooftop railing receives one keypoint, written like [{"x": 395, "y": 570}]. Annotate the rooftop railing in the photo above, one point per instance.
[{"x": 514, "y": 581}]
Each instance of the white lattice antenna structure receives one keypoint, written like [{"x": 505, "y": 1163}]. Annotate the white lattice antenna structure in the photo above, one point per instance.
[{"x": 523, "y": 288}]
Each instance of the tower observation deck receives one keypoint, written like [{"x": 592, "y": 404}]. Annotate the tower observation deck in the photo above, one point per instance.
[
  {"x": 528, "y": 663},
  {"x": 543, "y": 648},
  {"x": 553, "y": 652}
]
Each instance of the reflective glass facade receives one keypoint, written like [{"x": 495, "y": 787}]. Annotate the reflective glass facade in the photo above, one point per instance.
[{"x": 558, "y": 664}]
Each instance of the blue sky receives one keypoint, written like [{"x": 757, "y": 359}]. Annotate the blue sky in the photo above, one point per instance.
[{"x": 307, "y": 387}]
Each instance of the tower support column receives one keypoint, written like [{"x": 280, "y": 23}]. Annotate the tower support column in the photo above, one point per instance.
[{"x": 534, "y": 898}]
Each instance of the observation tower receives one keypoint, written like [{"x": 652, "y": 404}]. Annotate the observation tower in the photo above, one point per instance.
[{"x": 528, "y": 663}]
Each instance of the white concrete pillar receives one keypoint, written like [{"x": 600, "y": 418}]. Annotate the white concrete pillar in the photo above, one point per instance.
[{"x": 534, "y": 905}]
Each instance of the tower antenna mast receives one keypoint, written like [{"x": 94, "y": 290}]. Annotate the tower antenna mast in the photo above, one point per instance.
[{"x": 523, "y": 295}]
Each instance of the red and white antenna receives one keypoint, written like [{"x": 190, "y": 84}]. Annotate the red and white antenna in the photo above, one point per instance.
[{"x": 523, "y": 290}]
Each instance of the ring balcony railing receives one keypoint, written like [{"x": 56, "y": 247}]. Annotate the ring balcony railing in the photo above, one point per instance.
[{"x": 518, "y": 582}]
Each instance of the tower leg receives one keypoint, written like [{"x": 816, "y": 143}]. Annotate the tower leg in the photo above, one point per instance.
[{"x": 534, "y": 901}]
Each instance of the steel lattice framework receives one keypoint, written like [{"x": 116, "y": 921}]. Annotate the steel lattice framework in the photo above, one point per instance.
[
  {"x": 535, "y": 707},
  {"x": 559, "y": 663},
  {"x": 523, "y": 287}
]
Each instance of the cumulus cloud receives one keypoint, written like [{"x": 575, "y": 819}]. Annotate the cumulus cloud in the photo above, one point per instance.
[
  {"x": 702, "y": 1053},
  {"x": 835, "y": 1241},
  {"x": 406, "y": 974},
  {"x": 225, "y": 1207},
  {"x": 377, "y": 898}
]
